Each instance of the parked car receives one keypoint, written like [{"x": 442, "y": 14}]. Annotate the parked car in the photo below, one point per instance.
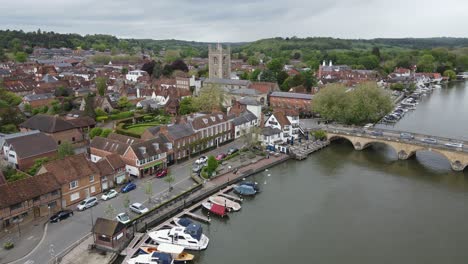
[
  {"x": 123, "y": 218},
  {"x": 367, "y": 126},
  {"x": 161, "y": 173},
  {"x": 138, "y": 208},
  {"x": 197, "y": 168},
  {"x": 109, "y": 195},
  {"x": 406, "y": 135},
  {"x": 220, "y": 156},
  {"x": 232, "y": 151},
  {"x": 60, "y": 215},
  {"x": 128, "y": 187},
  {"x": 87, "y": 203},
  {"x": 454, "y": 145},
  {"x": 376, "y": 133},
  {"x": 201, "y": 160},
  {"x": 429, "y": 140}
]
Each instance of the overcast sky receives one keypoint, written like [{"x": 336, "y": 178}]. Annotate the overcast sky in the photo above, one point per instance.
[{"x": 240, "y": 20}]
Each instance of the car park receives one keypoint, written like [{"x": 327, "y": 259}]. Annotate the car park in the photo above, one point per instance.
[
  {"x": 128, "y": 187},
  {"x": 405, "y": 135},
  {"x": 138, "y": 208},
  {"x": 87, "y": 203},
  {"x": 60, "y": 215},
  {"x": 109, "y": 195},
  {"x": 429, "y": 140},
  {"x": 123, "y": 218},
  {"x": 161, "y": 173}
]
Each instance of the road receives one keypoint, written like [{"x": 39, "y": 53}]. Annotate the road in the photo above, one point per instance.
[{"x": 63, "y": 234}]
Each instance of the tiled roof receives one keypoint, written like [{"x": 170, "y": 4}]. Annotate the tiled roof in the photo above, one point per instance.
[
  {"x": 32, "y": 145},
  {"x": 149, "y": 148},
  {"x": 115, "y": 161},
  {"x": 27, "y": 189},
  {"x": 227, "y": 81},
  {"x": 264, "y": 87},
  {"x": 282, "y": 119},
  {"x": 107, "y": 227},
  {"x": 124, "y": 139},
  {"x": 84, "y": 121},
  {"x": 34, "y": 97},
  {"x": 71, "y": 168},
  {"x": 208, "y": 120},
  {"x": 180, "y": 131},
  {"x": 47, "y": 123}
]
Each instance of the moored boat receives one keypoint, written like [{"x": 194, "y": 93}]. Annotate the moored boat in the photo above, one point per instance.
[
  {"x": 190, "y": 237},
  {"x": 182, "y": 222},
  {"x": 177, "y": 252},
  {"x": 244, "y": 190},
  {"x": 254, "y": 185},
  {"x": 215, "y": 208},
  {"x": 225, "y": 202},
  {"x": 153, "y": 258}
]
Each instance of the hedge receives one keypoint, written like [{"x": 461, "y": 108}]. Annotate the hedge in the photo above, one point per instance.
[
  {"x": 121, "y": 115},
  {"x": 101, "y": 118}
]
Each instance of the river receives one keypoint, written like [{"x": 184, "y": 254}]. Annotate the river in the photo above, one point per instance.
[{"x": 347, "y": 206}]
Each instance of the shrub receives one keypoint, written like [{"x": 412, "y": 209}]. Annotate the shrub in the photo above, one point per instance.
[
  {"x": 102, "y": 118},
  {"x": 147, "y": 118},
  {"x": 8, "y": 245},
  {"x": 105, "y": 133},
  {"x": 121, "y": 115},
  {"x": 97, "y": 131}
]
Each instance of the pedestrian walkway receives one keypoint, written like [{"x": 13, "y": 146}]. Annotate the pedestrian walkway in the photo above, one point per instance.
[
  {"x": 81, "y": 254},
  {"x": 25, "y": 238}
]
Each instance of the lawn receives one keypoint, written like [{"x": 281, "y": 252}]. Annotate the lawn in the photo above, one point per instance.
[{"x": 140, "y": 128}]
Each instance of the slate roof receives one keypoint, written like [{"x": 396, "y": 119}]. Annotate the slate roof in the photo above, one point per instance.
[
  {"x": 49, "y": 79},
  {"x": 180, "y": 131},
  {"x": 269, "y": 131},
  {"x": 248, "y": 101},
  {"x": 292, "y": 95},
  {"x": 47, "y": 123},
  {"x": 84, "y": 121},
  {"x": 32, "y": 145},
  {"x": 4, "y": 137},
  {"x": 244, "y": 91},
  {"x": 107, "y": 227},
  {"x": 149, "y": 149},
  {"x": 227, "y": 81},
  {"x": 27, "y": 189},
  {"x": 71, "y": 168},
  {"x": 109, "y": 145},
  {"x": 34, "y": 97},
  {"x": 245, "y": 117}
]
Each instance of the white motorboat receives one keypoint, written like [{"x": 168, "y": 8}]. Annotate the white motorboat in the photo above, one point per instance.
[
  {"x": 225, "y": 202},
  {"x": 153, "y": 258},
  {"x": 182, "y": 222},
  {"x": 190, "y": 237}
]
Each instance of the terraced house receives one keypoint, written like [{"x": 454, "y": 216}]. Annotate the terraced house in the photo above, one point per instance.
[
  {"x": 78, "y": 177},
  {"x": 30, "y": 198}
]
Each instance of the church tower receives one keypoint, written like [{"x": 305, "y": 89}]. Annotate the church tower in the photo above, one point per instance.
[{"x": 219, "y": 65}]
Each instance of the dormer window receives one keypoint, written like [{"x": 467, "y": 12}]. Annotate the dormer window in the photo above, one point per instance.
[
  {"x": 220, "y": 117},
  {"x": 205, "y": 121},
  {"x": 213, "y": 118}
]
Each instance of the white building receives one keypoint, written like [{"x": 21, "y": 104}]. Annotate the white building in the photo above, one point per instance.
[
  {"x": 244, "y": 123},
  {"x": 134, "y": 75},
  {"x": 289, "y": 125}
]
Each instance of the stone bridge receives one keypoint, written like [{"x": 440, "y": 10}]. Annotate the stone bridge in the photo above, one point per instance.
[{"x": 405, "y": 148}]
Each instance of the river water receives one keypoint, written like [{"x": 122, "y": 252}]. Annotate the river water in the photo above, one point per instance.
[{"x": 347, "y": 206}]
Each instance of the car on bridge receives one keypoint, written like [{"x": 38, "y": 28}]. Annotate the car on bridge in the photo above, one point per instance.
[
  {"x": 429, "y": 140},
  {"x": 377, "y": 133},
  {"x": 405, "y": 135},
  {"x": 454, "y": 145}
]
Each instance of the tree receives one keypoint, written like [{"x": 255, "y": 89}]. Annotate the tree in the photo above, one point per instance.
[
  {"x": 211, "y": 166},
  {"x": 254, "y": 61},
  {"x": 101, "y": 85},
  {"x": 157, "y": 70},
  {"x": 169, "y": 179},
  {"x": 37, "y": 165},
  {"x": 149, "y": 190},
  {"x": 462, "y": 63},
  {"x": 366, "y": 103},
  {"x": 96, "y": 131},
  {"x": 179, "y": 65},
  {"x": 450, "y": 74},
  {"x": 186, "y": 106},
  {"x": 268, "y": 76},
  {"x": 65, "y": 149},
  {"x": 123, "y": 102},
  {"x": 376, "y": 52},
  {"x": 105, "y": 132},
  {"x": 370, "y": 62},
  {"x": 210, "y": 99},
  {"x": 281, "y": 77},
  {"x": 21, "y": 56},
  {"x": 397, "y": 87},
  {"x": 126, "y": 201},
  {"x": 309, "y": 80},
  {"x": 110, "y": 211},
  {"x": 251, "y": 136},
  {"x": 320, "y": 134},
  {"x": 89, "y": 106},
  {"x": 124, "y": 71},
  {"x": 426, "y": 63},
  {"x": 275, "y": 65}
]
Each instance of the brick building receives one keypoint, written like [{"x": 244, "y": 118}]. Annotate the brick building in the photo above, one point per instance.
[{"x": 301, "y": 103}]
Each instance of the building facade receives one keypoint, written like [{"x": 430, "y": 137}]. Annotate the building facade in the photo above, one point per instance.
[{"x": 219, "y": 62}]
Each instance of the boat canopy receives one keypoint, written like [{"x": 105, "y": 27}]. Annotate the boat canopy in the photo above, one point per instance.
[
  {"x": 195, "y": 230},
  {"x": 171, "y": 249},
  {"x": 161, "y": 258},
  {"x": 185, "y": 221},
  {"x": 218, "y": 209}
]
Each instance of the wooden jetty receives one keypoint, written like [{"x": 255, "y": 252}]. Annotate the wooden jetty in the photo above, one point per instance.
[
  {"x": 141, "y": 239},
  {"x": 305, "y": 149}
]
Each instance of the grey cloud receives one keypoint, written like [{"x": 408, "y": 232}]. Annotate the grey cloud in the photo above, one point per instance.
[{"x": 240, "y": 20}]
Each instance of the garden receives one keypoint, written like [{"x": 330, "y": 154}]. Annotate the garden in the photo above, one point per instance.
[{"x": 135, "y": 129}]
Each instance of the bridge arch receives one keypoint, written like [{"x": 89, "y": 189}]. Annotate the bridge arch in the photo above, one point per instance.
[
  {"x": 332, "y": 138},
  {"x": 455, "y": 162}
]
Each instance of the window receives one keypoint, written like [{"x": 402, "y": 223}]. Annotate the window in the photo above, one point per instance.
[
  {"x": 36, "y": 199},
  {"x": 91, "y": 178},
  {"x": 73, "y": 184},
  {"x": 73, "y": 139},
  {"x": 54, "y": 193},
  {"x": 16, "y": 206},
  {"x": 75, "y": 196},
  {"x": 52, "y": 205},
  {"x": 93, "y": 189},
  {"x": 59, "y": 142}
]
